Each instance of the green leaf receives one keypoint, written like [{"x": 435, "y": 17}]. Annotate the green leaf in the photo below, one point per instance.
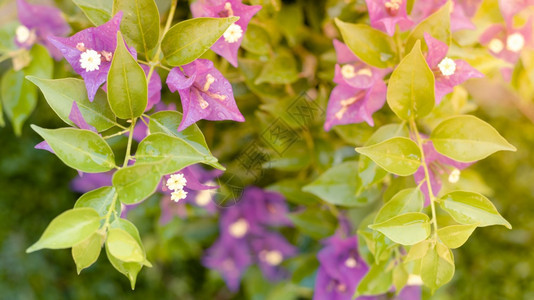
[
  {"x": 400, "y": 277},
  {"x": 292, "y": 190},
  {"x": 136, "y": 183},
  {"x": 2, "y": 122},
  {"x": 455, "y": 236},
  {"x": 19, "y": 98},
  {"x": 129, "y": 269},
  {"x": 140, "y": 23},
  {"x": 68, "y": 229},
  {"x": 80, "y": 149},
  {"x": 99, "y": 199},
  {"x": 406, "y": 229},
  {"x": 437, "y": 266},
  {"x": 471, "y": 208},
  {"x": 171, "y": 153},
  {"x": 280, "y": 70},
  {"x": 418, "y": 251},
  {"x": 338, "y": 185},
  {"x": 377, "y": 281},
  {"x": 304, "y": 265},
  {"x": 188, "y": 40},
  {"x": 127, "y": 87},
  {"x": 61, "y": 93},
  {"x": 437, "y": 25},
  {"x": 370, "y": 45},
  {"x": 167, "y": 122},
  {"x": 369, "y": 172},
  {"x": 87, "y": 252},
  {"x": 97, "y": 11},
  {"x": 407, "y": 200},
  {"x": 467, "y": 139},
  {"x": 382, "y": 246},
  {"x": 410, "y": 91},
  {"x": 398, "y": 155},
  {"x": 41, "y": 65},
  {"x": 123, "y": 246},
  {"x": 307, "y": 222},
  {"x": 130, "y": 228},
  {"x": 256, "y": 40}
]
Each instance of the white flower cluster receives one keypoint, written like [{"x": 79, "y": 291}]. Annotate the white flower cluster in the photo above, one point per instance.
[{"x": 176, "y": 183}]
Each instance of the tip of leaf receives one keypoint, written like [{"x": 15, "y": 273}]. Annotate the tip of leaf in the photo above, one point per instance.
[
  {"x": 508, "y": 225},
  {"x": 146, "y": 263},
  {"x": 511, "y": 148},
  {"x": 79, "y": 270},
  {"x": 133, "y": 279},
  {"x": 33, "y": 248},
  {"x": 35, "y": 127},
  {"x": 234, "y": 19}
]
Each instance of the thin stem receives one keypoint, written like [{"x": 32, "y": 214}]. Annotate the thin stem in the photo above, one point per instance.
[
  {"x": 333, "y": 209},
  {"x": 116, "y": 134},
  {"x": 110, "y": 211},
  {"x": 129, "y": 147},
  {"x": 143, "y": 120},
  {"x": 119, "y": 125},
  {"x": 155, "y": 59},
  {"x": 427, "y": 177}
]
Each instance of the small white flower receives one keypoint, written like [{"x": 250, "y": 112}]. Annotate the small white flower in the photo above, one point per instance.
[
  {"x": 348, "y": 71},
  {"x": 273, "y": 257},
  {"x": 90, "y": 60},
  {"x": 176, "y": 182},
  {"x": 178, "y": 195},
  {"x": 414, "y": 280},
  {"x": 351, "y": 262},
  {"x": 515, "y": 42},
  {"x": 22, "y": 34},
  {"x": 447, "y": 66},
  {"x": 233, "y": 33},
  {"x": 454, "y": 176},
  {"x": 239, "y": 228},
  {"x": 496, "y": 45}
]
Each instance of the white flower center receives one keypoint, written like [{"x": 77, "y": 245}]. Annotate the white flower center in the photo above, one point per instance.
[
  {"x": 447, "y": 66},
  {"x": 273, "y": 257},
  {"x": 239, "y": 228},
  {"x": 233, "y": 33},
  {"x": 348, "y": 71},
  {"x": 414, "y": 280},
  {"x": 365, "y": 71},
  {"x": 178, "y": 195},
  {"x": 496, "y": 45},
  {"x": 454, "y": 176},
  {"x": 515, "y": 42},
  {"x": 351, "y": 262},
  {"x": 393, "y": 6},
  {"x": 176, "y": 182},
  {"x": 22, "y": 34},
  {"x": 204, "y": 197},
  {"x": 341, "y": 288},
  {"x": 90, "y": 60}
]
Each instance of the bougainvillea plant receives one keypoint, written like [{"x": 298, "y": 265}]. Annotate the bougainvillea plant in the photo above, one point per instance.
[{"x": 371, "y": 222}]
